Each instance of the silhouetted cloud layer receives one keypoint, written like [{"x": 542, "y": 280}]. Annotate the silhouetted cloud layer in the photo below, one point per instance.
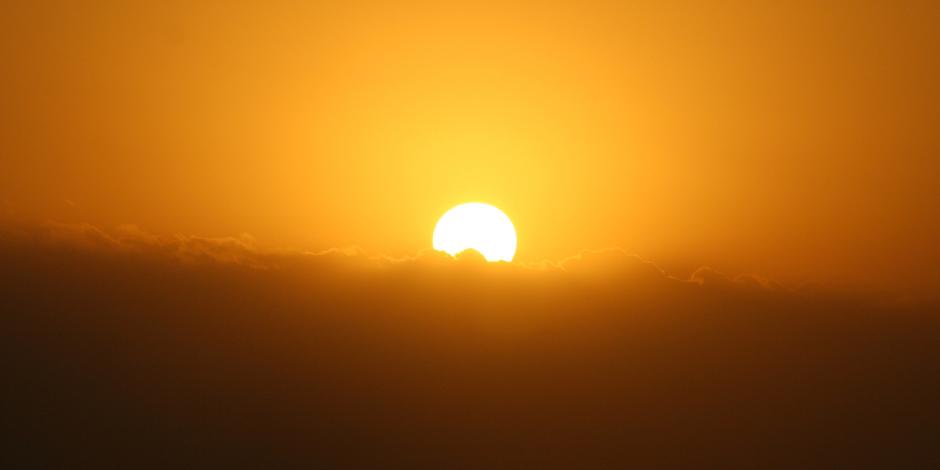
[{"x": 128, "y": 348}]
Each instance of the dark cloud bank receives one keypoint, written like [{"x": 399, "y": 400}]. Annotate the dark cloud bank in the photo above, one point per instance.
[{"x": 124, "y": 348}]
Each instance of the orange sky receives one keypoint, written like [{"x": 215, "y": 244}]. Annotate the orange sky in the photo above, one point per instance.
[{"x": 793, "y": 139}]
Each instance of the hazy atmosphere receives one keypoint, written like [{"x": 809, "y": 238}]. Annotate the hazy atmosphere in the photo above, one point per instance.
[
  {"x": 797, "y": 141},
  {"x": 592, "y": 234}
]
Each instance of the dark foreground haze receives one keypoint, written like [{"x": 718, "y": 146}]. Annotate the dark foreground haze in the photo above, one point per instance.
[{"x": 131, "y": 350}]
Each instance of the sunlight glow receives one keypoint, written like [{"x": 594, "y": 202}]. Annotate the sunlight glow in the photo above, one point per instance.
[{"x": 479, "y": 226}]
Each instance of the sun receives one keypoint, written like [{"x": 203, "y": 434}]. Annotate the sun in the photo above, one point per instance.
[{"x": 479, "y": 226}]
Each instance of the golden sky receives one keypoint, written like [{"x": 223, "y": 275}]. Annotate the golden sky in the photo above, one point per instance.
[
  {"x": 797, "y": 140},
  {"x": 727, "y": 219}
]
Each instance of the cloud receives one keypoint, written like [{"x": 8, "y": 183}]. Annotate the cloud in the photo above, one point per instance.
[
  {"x": 125, "y": 346},
  {"x": 130, "y": 239},
  {"x": 611, "y": 263},
  {"x": 604, "y": 266}
]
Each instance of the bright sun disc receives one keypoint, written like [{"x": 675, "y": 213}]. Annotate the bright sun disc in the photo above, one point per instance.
[{"x": 479, "y": 226}]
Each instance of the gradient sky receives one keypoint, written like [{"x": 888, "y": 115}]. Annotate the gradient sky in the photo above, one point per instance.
[{"x": 797, "y": 140}]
